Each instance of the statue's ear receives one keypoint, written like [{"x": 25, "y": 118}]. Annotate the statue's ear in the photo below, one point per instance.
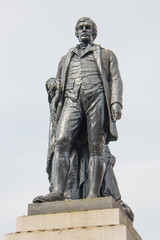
[{"x": 76, "y": 34}]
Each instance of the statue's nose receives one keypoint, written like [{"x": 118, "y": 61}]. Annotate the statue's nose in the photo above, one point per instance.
[{"x": 84, "y": 28}]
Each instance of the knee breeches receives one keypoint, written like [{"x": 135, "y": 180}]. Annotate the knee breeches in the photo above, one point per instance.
[{"x": 94, "y": 110}]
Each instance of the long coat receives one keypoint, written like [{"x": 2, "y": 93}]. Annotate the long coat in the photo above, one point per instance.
[{"x": 108, "y": 67}]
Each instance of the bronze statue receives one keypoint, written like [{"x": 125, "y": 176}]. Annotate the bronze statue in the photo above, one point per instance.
[{"x": 85, "y": 102}]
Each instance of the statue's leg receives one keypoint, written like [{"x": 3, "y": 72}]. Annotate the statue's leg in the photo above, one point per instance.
[
  {"x": 95, "y": 175},
  {"x": 96, "y": 118},
  {"x": 60, "y": 166},
  {"x": 67, "y": 130}
]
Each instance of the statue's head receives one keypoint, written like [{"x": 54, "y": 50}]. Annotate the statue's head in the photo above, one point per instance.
[{"x": 86, "y": 30}]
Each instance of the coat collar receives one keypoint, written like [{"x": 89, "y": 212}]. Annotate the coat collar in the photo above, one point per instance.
[{"x": 89, "y": 48}]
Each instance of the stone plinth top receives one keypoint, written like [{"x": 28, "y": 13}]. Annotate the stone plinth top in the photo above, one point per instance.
[{"x": 72, "y": 205}]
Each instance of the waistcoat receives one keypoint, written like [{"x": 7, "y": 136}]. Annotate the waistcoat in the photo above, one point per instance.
[{"x": 83, "y": 73}]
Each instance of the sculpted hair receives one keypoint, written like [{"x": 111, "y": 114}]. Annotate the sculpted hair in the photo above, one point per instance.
[{"x": 94, "y": 27}]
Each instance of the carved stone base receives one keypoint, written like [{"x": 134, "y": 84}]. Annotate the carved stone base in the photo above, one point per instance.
[{"x": 98, "y": 223}]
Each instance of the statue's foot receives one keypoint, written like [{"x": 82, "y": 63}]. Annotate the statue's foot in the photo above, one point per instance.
[
  {"x": 50, "y": 197},
  {"x": 92, "y": 195}
]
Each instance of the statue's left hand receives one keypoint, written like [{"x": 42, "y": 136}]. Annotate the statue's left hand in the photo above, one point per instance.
[{"x": 116, "y": 111}]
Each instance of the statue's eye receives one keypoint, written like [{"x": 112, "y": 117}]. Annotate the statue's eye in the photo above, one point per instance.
[
  {"x": 88, "y": 27},
  {"x": 80, "y": 27}
]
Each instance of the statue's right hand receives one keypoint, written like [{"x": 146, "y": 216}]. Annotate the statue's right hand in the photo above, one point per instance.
[{"x": 51, "y": 87}]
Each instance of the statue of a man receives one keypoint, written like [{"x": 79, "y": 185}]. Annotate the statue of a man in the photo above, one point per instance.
[{"x": 89, "y": 101}]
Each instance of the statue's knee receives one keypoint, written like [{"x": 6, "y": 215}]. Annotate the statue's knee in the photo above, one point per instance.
[{"x": 96, "y": 148}]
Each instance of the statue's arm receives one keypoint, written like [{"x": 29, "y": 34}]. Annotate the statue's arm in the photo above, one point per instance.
[{"x": 116, "y": 88}]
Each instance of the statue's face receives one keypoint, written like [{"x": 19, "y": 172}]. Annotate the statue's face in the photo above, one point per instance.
[{"x": 85, "y": 33}]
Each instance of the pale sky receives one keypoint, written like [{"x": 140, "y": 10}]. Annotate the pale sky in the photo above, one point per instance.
[{"x": 35, "y": 34}]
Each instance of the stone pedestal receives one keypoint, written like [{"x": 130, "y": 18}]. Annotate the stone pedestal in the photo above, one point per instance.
[{"x": 87, "y": 219}]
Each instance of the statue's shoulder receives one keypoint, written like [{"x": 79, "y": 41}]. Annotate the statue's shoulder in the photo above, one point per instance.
[
  {"x": 103, "y": 50},
  {"x": 67, "y": 54},
  {"x": 107, "y": 53}
]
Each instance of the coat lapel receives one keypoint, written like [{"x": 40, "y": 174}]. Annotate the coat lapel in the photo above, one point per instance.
[
  {"x": 98, "y": 57},
  {"x": 65, "y": 68}
]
